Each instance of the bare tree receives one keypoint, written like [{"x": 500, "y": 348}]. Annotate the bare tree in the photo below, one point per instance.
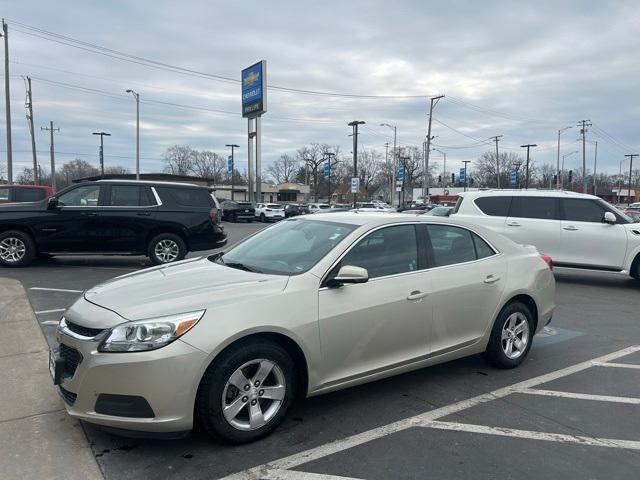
[
  {"x": 370, "y": 168},
  {"x": 546, "y": 173},
  {"x": 484, "y": 168},
  {"x": 178, "y": 159},
  {"x": 284, "y": 169},
  {"x": 207, "y": 164}
]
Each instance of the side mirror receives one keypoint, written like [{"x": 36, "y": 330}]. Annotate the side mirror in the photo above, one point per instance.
[
  {"x": 609, "y": 218},
  {"x": 349, "y": 274},
  {"x": 52, "y": 204}
]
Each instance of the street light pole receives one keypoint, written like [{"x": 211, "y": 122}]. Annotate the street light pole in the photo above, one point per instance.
[
  {"x": 563, "y": 157},
  {"x": 434, "y": 102},
  {"x": 395, "y": 158},
  {"x": 233, "y": 165},
  {"x": 354, "y": 125},
  {"x": 526, "y": 180},
  {"x": 102, "y": 134},
  {"x": 558, "y": 183},
  {"x": 137, "y": 97}
]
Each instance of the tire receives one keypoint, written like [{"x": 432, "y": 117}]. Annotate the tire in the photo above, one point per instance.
[
  {"x": 513, "y": 314},
  {"x": 166, "y": 248},
  {"x": 263, "y": 219},
  {"x": 249, "y": 220},
  {"x": 16, "y": 249},
  {"x": 635, "y": 269},
  {"x": 234, "y": 218},
  {"x": 216, "y": 388}
]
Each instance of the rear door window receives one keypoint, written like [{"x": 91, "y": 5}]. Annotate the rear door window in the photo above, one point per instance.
[
  {"x": 534, "y": 207},
  {"x": 451, "y": 245},
  {"x": 582, "y": 210},
  {"x": 130, "y": 196},
  {"x": 494, "y": 206}
]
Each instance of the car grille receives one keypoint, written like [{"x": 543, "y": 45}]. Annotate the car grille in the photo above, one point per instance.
[
  {"x": 84, "y": 331},
  {"x": 72, "y": 358},
  {"x": 68, "y": 397}
]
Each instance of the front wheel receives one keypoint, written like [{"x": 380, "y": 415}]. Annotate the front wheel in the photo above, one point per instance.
[
  {"x": 16, "y": 249},
  {"x": 246, "y": 392},
  {"x": 166, "y": 248},
  {"x": 263, "y": 219},
  {"x": 511, "y": 336}
]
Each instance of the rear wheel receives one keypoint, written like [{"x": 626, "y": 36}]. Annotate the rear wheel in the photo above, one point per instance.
[
  {"x": 511, "y": 336},
  {"x": 246, "y": 392},
  {"x": 635, "y": 269},
  {"x": 234, "y": 218},
  {"x": 166, "y": 248},
  {"x": 16, "y": 249},
  {"x": 263, "y": 219}
]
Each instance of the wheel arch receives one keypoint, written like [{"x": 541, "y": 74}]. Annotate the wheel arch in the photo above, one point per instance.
[
  {"x": 20, "y": 228},
  {"x": 529, "y": 302},
  {"x": 168, "y": 229}
]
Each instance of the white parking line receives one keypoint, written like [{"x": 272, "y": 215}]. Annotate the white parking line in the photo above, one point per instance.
[
  {"x": 50, "y": 311},
  {"x": 295, "y": 475},
  {"x": 616, "y": 365},
  {"x": 64, "y": 290},
  {"x": 582, "y": 396},
  {"x": 422, "y": 420},
  {"x": 50, "y": 322},
  {"x": 549, "y": 437}
]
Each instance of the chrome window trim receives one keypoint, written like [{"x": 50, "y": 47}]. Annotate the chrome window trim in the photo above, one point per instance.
[{"x": 497, "y": 253}]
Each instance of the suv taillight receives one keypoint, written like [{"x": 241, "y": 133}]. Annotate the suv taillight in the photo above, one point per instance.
[
  {"x": 213, "y": 214},
  {"x": 547, "y": 259}
]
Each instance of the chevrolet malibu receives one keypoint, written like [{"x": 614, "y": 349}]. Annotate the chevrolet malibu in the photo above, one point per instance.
[{"x": 308, "y": 306}]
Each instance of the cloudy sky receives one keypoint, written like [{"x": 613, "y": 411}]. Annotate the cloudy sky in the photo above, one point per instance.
[{"x": 518, "y": 69}]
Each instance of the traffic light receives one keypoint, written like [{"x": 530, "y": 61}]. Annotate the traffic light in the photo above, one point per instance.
[
  {"x": 453, "y": 178},
  {"x": 555, "y": 179},
  {"x": 570, "y": 176},
  {"x": 439, "y": 178}
]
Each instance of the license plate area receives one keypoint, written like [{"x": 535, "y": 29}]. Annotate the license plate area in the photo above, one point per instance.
[{"x": 56, "y": 366}]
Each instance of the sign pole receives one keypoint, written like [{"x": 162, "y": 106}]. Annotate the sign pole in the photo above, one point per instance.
[
  {"x": 250, "y": 160},
  {"x": 258, "y": 161}
]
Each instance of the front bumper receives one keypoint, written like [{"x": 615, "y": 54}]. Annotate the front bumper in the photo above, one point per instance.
[{"x": 166, "y": 378}]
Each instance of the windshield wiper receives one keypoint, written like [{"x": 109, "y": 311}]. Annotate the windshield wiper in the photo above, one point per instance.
[{"x": 242, "y": 266}]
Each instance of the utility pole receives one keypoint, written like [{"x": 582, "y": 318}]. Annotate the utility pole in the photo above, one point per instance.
[
  {"x": 395, "y": 158},
  {"x": 136, "y": 95},
  {"x": 103, "y": 134},
  {"x": 233, "y": 165},
  {"x": 526, "y": 179},
  {"x": 7, "y": 99},
  {"x": 53, "y": 158},
  {"x": 466, "y": 179},
  {"x": 558, "y": 183},
  {"x": 354, "y": 125},
  {"x": 595, "y": 166},
  {"x": 496, "y": 138},
  {"x": 583, "y": 131},
  {"x": 630, "y": 171},
  {"x": 433, "y": 103},
  {"x": 29, "y": 106}
]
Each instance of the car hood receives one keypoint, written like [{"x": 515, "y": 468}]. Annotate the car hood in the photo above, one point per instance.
[{"x": 185, "y": 286}]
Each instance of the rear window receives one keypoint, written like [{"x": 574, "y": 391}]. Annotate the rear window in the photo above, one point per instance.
[
  {"x": 494, "y": 206},
  {"x": 29, "y": 194},
  {"x": 275, "y": 206},
  {"x": 190, "y": 197},
  {"x": 244, "y": 204}
]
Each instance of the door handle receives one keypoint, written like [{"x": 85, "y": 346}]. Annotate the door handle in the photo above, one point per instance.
[
  {"x": 416, "y": 295},
  {"x": 90, "y": 214},
  {"x": 513, "y": 224},
  {"x": 144, "y": 214},
  {"x": 491, "y": 279},
  {"x": 570, "y": 227}
]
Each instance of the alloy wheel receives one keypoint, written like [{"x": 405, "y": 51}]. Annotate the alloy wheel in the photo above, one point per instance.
[
  {"x": 167, "y": 250},
  {"x": 515, "y": 335},
  {"x": 12, "y": 250},
  {"x": 253, "y": 394}
]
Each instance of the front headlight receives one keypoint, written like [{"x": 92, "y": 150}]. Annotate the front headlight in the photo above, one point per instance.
[{"x": 150, "y": 334}]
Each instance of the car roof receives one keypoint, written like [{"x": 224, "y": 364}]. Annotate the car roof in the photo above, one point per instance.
[
  {"x": 525, "y": 193},
  {"x": 151, "y": 182},
  {"x": 373, "y": 218}
]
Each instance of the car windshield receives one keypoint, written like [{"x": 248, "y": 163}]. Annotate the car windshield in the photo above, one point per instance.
[{"x": 290, "y": 247}]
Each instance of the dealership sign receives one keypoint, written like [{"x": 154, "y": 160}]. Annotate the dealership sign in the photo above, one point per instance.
[{"x": 254, "y": 91}]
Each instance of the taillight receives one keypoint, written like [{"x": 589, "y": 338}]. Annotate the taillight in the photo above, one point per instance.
[
  {"x": 548, "y": 260},
  {"x": 213, "y": 215}
]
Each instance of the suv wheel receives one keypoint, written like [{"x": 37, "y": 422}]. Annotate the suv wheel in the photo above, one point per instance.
[
  {"x": 234, "y": 218},
  {"x": 246, "y": 392},
  {"x": 166, "y": 248},
  {"x": 511, "y": 336},
  {"x": 263, "y": 219},
  {"x": 16, "y": 249}
]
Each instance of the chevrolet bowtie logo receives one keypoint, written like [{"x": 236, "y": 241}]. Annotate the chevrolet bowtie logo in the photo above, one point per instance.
[{"x": 250, "y": 79}]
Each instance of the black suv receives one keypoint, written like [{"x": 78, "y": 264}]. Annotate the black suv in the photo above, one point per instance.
[
  {"x": 233, "y": 211},
  {"x": 109, "y": 217}
]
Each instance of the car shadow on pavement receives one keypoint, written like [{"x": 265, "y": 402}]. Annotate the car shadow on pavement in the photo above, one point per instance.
[{"x": 598, "y": 279}]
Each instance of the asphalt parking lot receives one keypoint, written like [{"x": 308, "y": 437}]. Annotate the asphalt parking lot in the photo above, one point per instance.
[{"x": 572, "y": 409}]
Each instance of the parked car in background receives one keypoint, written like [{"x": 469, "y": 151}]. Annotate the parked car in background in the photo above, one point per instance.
[
  {"x": 316, "y": 207},
  {"x": 575, "y": 229},
  {"x": 440, "y": 211},
  {"x": 341, "y": 206},
  {"x": 374, "y": 207},
  {"x": 268, "y": 212},
  {"x": 233, "y": 211},
  {"x": 634, "y": 207},
  {"x": 634, "y": 215},
  {"x": 295, "y": 209},
  {"x": 24, "y": 193},
  {"x": 343, "y": 299},
  {"x": 159, "y": 219}
]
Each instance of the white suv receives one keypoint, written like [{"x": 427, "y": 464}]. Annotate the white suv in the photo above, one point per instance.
[
  {"x": 269, "y": 211},
  {"x": 576, "y": 230}
]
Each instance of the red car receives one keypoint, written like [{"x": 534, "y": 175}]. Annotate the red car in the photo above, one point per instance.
[{"x": 24, "y": 193}]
